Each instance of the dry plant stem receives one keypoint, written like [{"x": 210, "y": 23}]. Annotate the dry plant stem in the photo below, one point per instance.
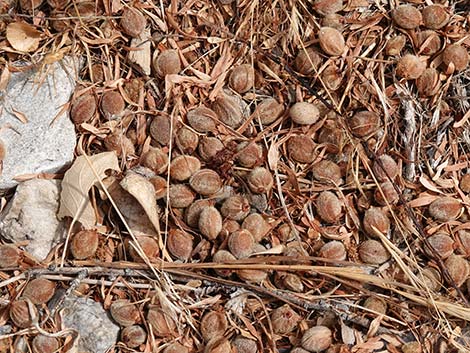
[{"x": 409, "y": 139}]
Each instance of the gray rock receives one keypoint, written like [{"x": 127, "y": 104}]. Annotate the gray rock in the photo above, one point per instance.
[
  {"x": 97, "y": 332},
  {"x": 32, "y": 216},
  {"x": 43, "y": 142}
]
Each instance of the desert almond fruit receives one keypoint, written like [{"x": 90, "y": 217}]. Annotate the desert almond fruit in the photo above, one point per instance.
[
  {"x": 202, "y": 119},
  {"x": 407, "y": 16},
  {"x": 124, "y": 312},
  {"x": 445, "y": 209},
  {"x": 240, "y": 243},
  {"x": 213, "y": 324},
  {"x": 133, "y": 336},
  {"x": 132, "y": 22},
  {"x": 284, "y": 319},
  {"x": 331, "y": 41},
  {"x": 210, "y": 222},
  {"x": 167, "y": 62},
  {"x": 317, "y": 339},
  {"x": 9, "y": 256},
  {"x": 84, "y": 244},
  {"x": 242, "y": 78},
  {"x": 39, "y": 290},
  {"x": 364, "y": 123},
  {"x": 328, "y": 207},
  {"x": 374, "y": 217},
  {"x": 373, "y": 252},
  {"x": 458, "y": 269},
  {"x": 435, "y": 16},
  {"x": 304, "y": 113},
  {"x": 410, "y": 67},
  {"x": 45, "y": 344},
  {"x": 442, "y": 244},
  {"x": 385, "y": 167},
  {"x": 20, "y": 313},
  {"x": 301, "y": 148},
  {"x": 457, "y": 56}
]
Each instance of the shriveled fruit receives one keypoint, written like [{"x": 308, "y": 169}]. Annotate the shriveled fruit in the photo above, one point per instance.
[
  {"x": 124, "y": 312},
  {"x": 45, "y": 344},
  {"x": 378, "y": 305},
  {"x": 9, "y": 256},
  {"x": 163, "y": 324},
  {"x": 435, "y": 16},
  {"x": 395, "y": 45},
  {"x": 249, "y": 154},
  {"x": 244, "y": 345},
  {"x": 155, "y": 159},
  {"x": 317, "y": 339},
  {"x": 331, "y": 41},
  {"x": 230, "y": 109},
  {"x": 84, "y": 244},
  {"x": 235, "y": 207},
  {"x": 180, "y": 244},
  {"x": 407, "y": 17},
  {"x": 410, "y": 67},
  {"x": 269, "y": 110},
  {"x": 328, "y": 207},
  {"x": 458, "y": 269},
  {"x": 464, "y": 241},
  {"x": 442, "y": 244},
  {"x": 252, "y": 276},
  {"x": 39, "y": 290},
  {"x": 132, "y": 22},
  {"x": 187, "y": 140},
  {"x": 429, "y": 42},
  {"x": 223, "y": 256},
  {"x": 375, "y": 218},
  {"x": 83, "y": 108},
  {"x": 160, "y": 185},
  {"x": 20, "y": 313},
  {"x": 326, "y": 7},
  {"x": 304, "y": 113},
  {"x": 257, "y": 225},
  {"x": 194, "y": 210},
  {"x": 386, "y": 194},
  {"x": 202, "y": 119},
  {"x": 209, "y": 147},
  {"x": 183, "y": 167},
  {"x": 373, "y": 252},
  {"x": 428, "y": 83},
  {"x": 308, "y": 60},
  {"x": 133, "y": 336},
  {"x": 327, "y": 171},
  {"x": 260, "y": 180},
  {"x": 210, "y": 222},
  {"x": 161, "y": 129},
  {"x": 333, "y": 250},
  {"x": 242, "y": 78},
  {"x": 205, "y": 182},
  {"x": 240, "y": 243},
  {"x": 284, "y": 319},
  {"x": 112, "y": 103},
  {"x": 445, "y": 209},
  {"x": 385, "y": 167},
  {"x": 176, "y": 348},
  {"x": 167, "y": 62},
  {"x": 180, "y": 196},
  {"x": 457, "y": 56},
  {"x": 301, "y": 148},
  {"x": 213, "y": 324},
  {"x": 364, "y": 123},
  {"x": 148, "y": 245}
]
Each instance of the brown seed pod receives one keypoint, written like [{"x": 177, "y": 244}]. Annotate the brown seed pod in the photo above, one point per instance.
[
  {"x": 464, "y": 241},
  {"x": 333, "y": 250},
  {"x": 308, "y": 60},
  {"x": 442, "y": 244},
  {"x": 194, "y": 210},
  {"x": 328, "y": 207},
  {"x": 133, "y": 88},
  {"x": 333, "y": 20},
  {"x": 375, "y": 218},
  {"x": 29, "y": 5},
  {"x": 385, "y": 167},
  {"x": 235, "y": 207},
  {"x": 176, "y": 348},
  {"x": 213, "y": 324},
  {"x": 327, "y": 171},
  {"x": 373, "y": 252},
  {"x": 45, "y": 344},
  {"x": 435, "y": 16},
  {"x": 205, "y": 182},
  {"x": 210, "y": 222},
  {"x": 180, "y": 196},
  {"x": 187, "y": 140},
  {"x": 223, "y": 256},
  {"x": 432, "y": 278},
  {"x": 160, "y": 129},
  {"x": 124, "y": 312},
  {"x": 249, "y": 154},
  {"x": 9, "y": 256},
  {"x": 375, "y": 304},
  {"x": 202, "y": 119},
  {"x": 149, "y": 247},
  {"x": 364, "y": 123},
  {"x": 465, "y": 183},
  {"x": 159, "y": 184},
  {"x": 133, "y": 336},
  {"x": 326, "y": 7},
  {"x": 163, "y": 324},
  {"x": 429, "y": 42},
  {"x": 84, "y": 244},
  {"x": 301, "y": 148},
  {"x": 428, "y": 83},
  {"x": 252, "y": 276},
  {"x": 299, "y": 350},
  {"x": 230, "y": 109},
  {"x": 269, "y": 110},
  {"x": 457, "y": 56},
  {"x": 260, "y": 180},
  {"x": 411, "y": 347},
  {"x": 410, "y": 67},
  {"x": 317, "y": 339},
  {"x": 97, "y": 73},
  {"x": 293, "y": 282},
  {"x": 119, "y": 143},
  {"x": 132, "y": 22},
  {"x": 112, "y": 104},
  {"x": 332, "y": 77},
  {"x": 83, "y": 108},
  {"x": 183, "y": 167},
  {"x": 20, "y": 313},
  {"x": 304, "y": 113},
  {"x": 210, "y": 147},
  {"x": 395, "y": 45},
  {"x": 284, "y": 319},
  {"x": 445, "y": 209},
  {"x": 331, "y": 137},
  {"x": 155, "y": 159},
  {"x": 331, "y": 41},
  {"x": 39, "y": 290},
  {"x": 407, "y": 17},
  {"x": 218, "y": 345},
  {"x": 458, "y": 269},
  {"x": 386, "y": 194},
  {"x": 240, "y": 243},
  {"x": 242, "y": 78},
  {"x": 166, "y": 63},
  {"x": 244, "y": 345},
  {"x": 180, "y": 244},
  {"x": 257, "y": 226},
  {"x": 229, "y": 226}
]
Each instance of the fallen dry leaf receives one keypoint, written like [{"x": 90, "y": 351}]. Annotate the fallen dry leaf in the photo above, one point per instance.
[
  {"x": 23, "y": 37},
  {"x": 77, "y": 182},
  {"x": 140, "y": 55}
]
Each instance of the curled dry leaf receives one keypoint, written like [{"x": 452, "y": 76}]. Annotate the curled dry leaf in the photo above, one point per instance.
[
  {"x": 23, "y": 37},
  {"x": 77, "y": 182}
]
